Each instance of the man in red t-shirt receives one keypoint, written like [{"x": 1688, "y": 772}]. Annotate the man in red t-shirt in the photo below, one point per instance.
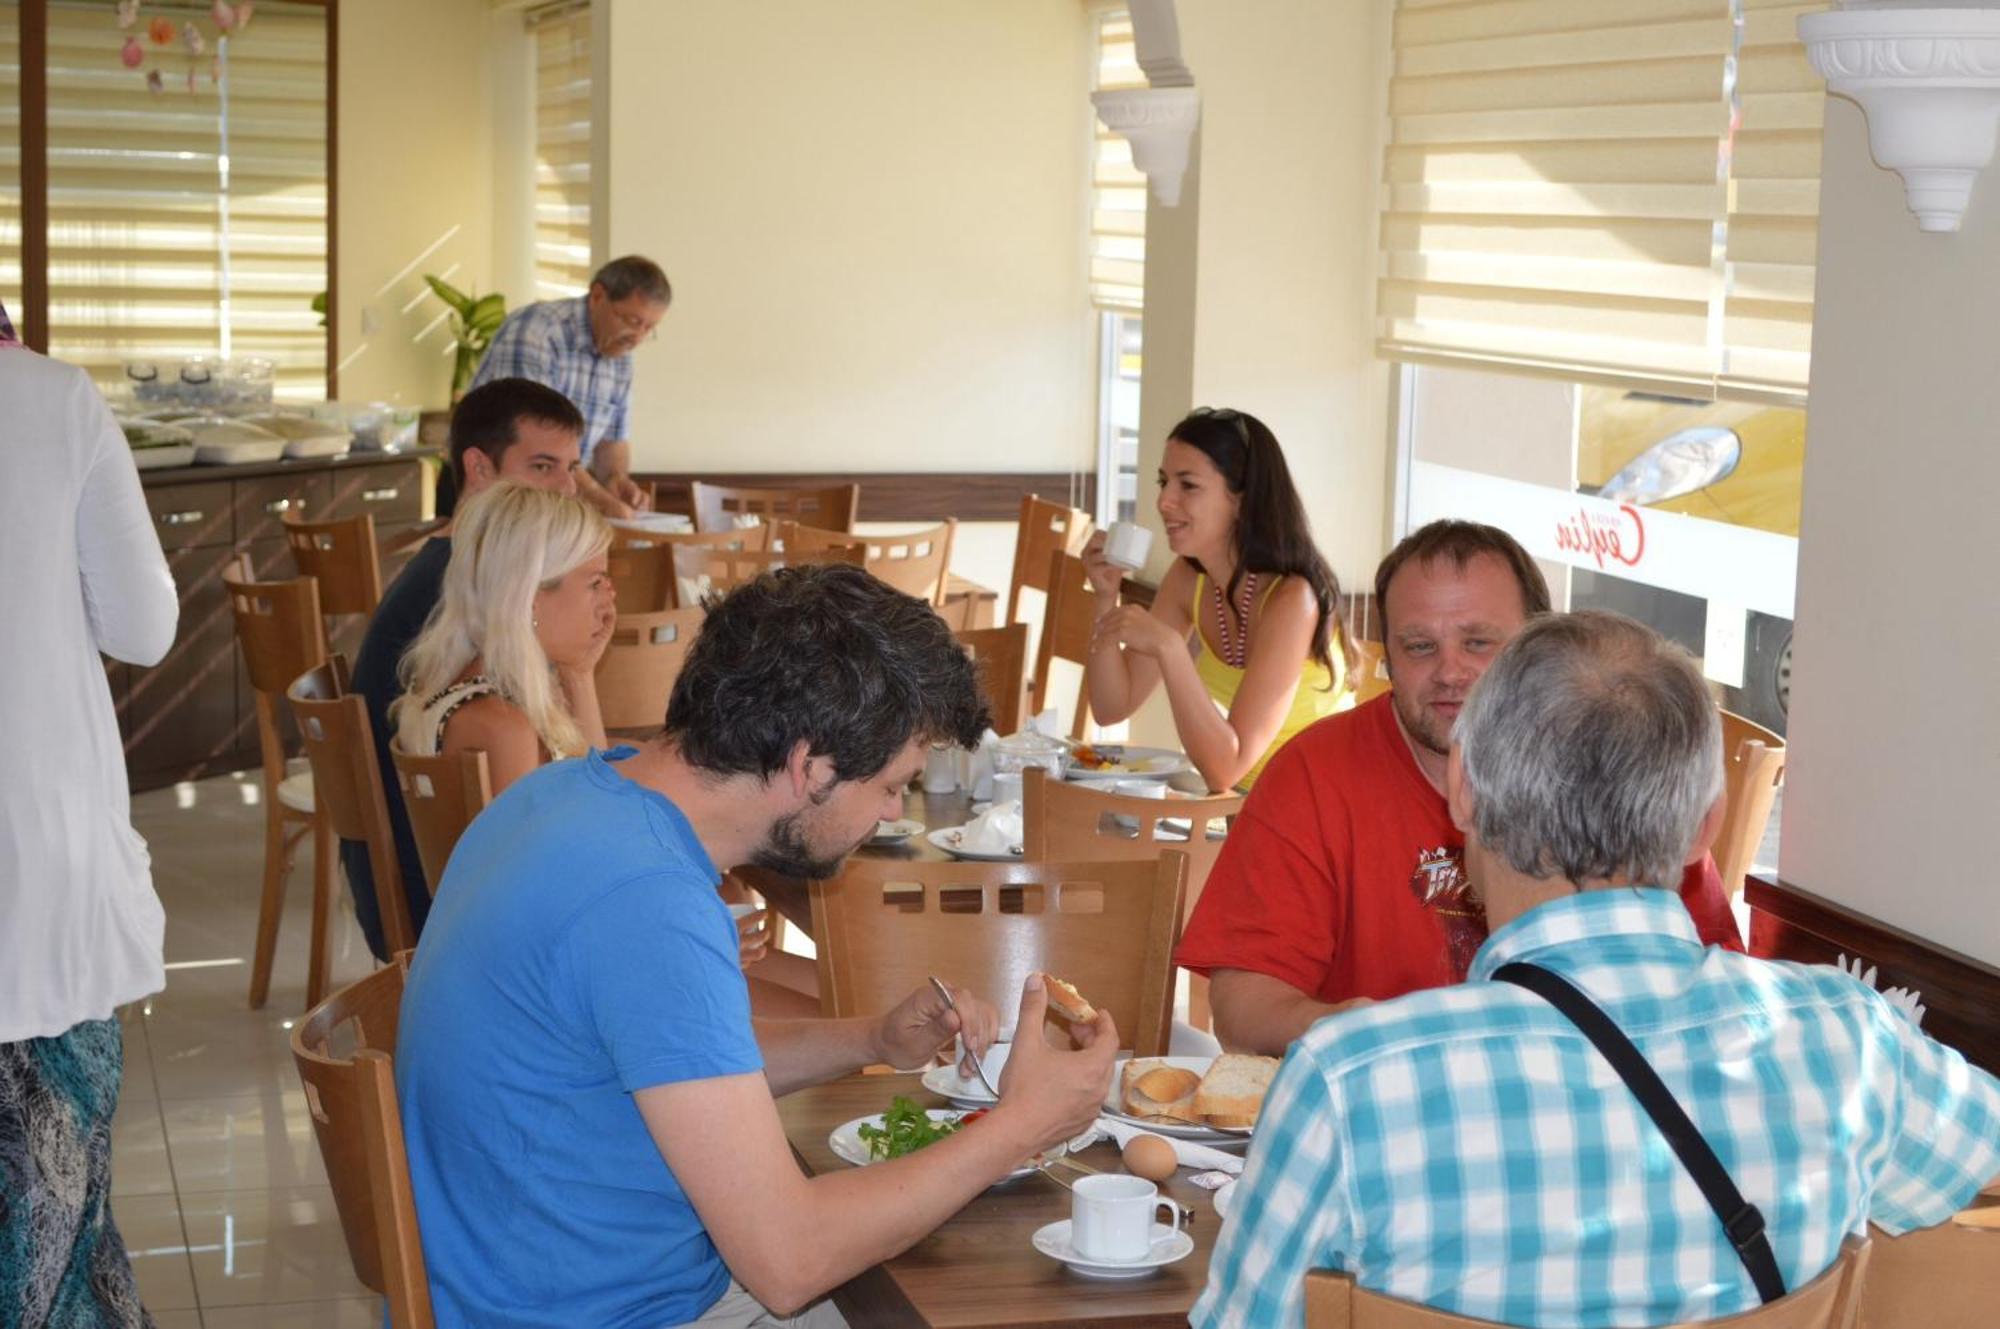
[{"x": 1342, "y": 878}]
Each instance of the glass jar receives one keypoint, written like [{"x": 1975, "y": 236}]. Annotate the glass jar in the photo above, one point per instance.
[{"x": 1021, "y": 752}]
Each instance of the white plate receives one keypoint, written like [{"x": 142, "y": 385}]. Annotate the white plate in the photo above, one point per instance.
[
  {"x": 968, "y": 1093},
  {"x": 1133, "y": 763},
  {"x": 1225, "y": 1195},
  {"x": 947, "y": 838},
  {"x": 1169, "y": 1244},
  {"x": 897, "y": 831},
  {"x": 1179, "y": 1130},
  {"x": 848, "y": 1146}
]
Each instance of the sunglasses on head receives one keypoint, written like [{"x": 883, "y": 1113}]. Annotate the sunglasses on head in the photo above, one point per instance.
[{"x": 1227, "y": 415}]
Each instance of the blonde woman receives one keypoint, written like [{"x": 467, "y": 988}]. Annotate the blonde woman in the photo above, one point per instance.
[{"x": 506, "y": 662}]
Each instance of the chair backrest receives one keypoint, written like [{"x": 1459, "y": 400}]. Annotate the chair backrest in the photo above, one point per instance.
[
  {"x": 882, "y": 927},
  {"x": 636, "y": 674},
  {"x": 916, "y": 563},
  {"x": 726, "y": 569},
  {"x": 442, "y": 793},
  {"x": 1068, "y": 823},
  {"x": 1066, "y": 627},
  {"x": 1830, "y": 1301},
  {"x": 352, "y": 1100},
  {"x": 1371, "y": 676},
  {"x": 830, "y": 508},
  {"x": 653, "y": 571},
  {"x": 1001, "y": 655},
  {"x": 341, "y": 556},
  {"x": 1046, "y": 528},
  {"x": 1753, "y": 770},
  {"x": 1943, "y": 1277},
  {"x": 278, "y": 626},
  {"x": 347, "y": 783}
]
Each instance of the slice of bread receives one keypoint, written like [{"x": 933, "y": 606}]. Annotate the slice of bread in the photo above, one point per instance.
[
  {"x": 1232, "y": 1093},
  {"x": 1067, "y": 1002},
  {"x": 1150, "y": 1087}
]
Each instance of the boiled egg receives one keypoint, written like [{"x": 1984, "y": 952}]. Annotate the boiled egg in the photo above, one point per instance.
[{"x": 1150, "y": 1157}]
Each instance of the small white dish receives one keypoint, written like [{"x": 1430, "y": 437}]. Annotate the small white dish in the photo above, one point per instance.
[
  {"x": 945, "y": 1082},
  {"x": 1225, "y": 1195},
  {"x": 951, "y": 839},
  {"x": 1169, "y": 1244},
  {"x": 895, "y": 832},
  {"x": 849, "y": 1147}
]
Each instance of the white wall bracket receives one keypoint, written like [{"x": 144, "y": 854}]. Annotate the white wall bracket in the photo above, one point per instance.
[
  {"x": 1158, "y": 121},
  {"x": 1928, "y": 78}
]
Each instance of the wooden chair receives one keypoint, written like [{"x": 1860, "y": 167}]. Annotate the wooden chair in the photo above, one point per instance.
[
  {"x": 352, "y": 1100},
  {"x": 882, "y": 927},
  {"x": 1066, "y": 628},
  {"x": 1828, "y": 1302},
  {"x": 1753, "y": 770},
  {"x": 1943, "y": 1277},
  {"x": 1002, "y": 657},
  {"x": 916, "y": 563},
  {"x": 637, "y": 672},
  {"x": 1371, "y": 675},
  {"x": 726, "y": 569},
  {"x": 281, "y": 634},
  {"x": 348, "y": 781},
  {"x": 340, "y": 555},
  {"x": 1046, "y": 528},
  {"x": 648, "y": 568},
  {"x": 442, "y": 794},
  {"x": 831, "y": 508},
  {"x": 1068, "y": 823}
]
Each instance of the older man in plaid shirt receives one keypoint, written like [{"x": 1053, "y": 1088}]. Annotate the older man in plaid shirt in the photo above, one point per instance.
[
  {"x": 1469, "y": 1149},
  {"x": 582, "y": 347}
]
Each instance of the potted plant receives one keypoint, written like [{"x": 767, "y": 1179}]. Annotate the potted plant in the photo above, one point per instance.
[{"x": 474, "y": 320}]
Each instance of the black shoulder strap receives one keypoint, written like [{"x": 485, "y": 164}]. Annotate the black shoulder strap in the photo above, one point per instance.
[{"x": 1741, "y": 1220}]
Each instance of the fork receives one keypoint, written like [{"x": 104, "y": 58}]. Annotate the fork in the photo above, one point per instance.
[{"x": 970, "y": 1055}]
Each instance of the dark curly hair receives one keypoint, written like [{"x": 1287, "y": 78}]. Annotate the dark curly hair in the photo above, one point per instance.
[{"x": 829, "y": 654}]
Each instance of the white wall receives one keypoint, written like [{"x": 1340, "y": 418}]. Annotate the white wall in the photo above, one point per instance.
[
  {"x": 416, "y": 189},
  {"x": 1894, "y": 769},
  {"x": 873, "y": 214}
]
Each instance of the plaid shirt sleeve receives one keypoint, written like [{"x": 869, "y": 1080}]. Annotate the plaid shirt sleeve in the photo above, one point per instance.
[
  {"x": 1948, "y": 1142},
  {"x": 1290, "y": 1213},
  {"x": 521, "y": 349}
]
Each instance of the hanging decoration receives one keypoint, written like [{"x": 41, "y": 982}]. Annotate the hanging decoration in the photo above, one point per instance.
[{"x": 193, "y": 41}]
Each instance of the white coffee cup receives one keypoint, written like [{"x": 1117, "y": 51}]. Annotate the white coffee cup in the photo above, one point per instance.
[
  {"x": 941, "y": 769},
  {"x": 1111, "y": 1218},
  {"x": 1127, "y": 544}
]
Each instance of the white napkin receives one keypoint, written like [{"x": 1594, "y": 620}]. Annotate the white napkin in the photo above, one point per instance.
[
  {"x": 1906, "y": 1000},
  {"x": 997, "y": 830},
  {"x": 1047, "y": 724},
  {"x": 1190, "y": 1154}
]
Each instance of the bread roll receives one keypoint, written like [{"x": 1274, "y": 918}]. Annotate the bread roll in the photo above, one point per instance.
[{"x": 1150, "y": 1087}]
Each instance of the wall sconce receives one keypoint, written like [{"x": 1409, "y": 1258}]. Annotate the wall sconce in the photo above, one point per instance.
[{"x": 1928, "y": 78}]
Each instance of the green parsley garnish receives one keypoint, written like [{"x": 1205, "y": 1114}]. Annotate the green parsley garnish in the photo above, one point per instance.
[{"x": 905, "y": 1129}]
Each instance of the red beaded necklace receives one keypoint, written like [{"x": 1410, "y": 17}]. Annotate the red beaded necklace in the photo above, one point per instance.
[{"x": 1235, "y": 646}]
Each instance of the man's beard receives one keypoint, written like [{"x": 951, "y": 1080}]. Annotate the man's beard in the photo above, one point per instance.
[
  {"x": 787, "y": 852},
  {"x": 1418, "y": 725}
]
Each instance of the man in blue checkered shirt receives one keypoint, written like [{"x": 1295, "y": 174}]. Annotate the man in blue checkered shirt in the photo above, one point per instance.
[
  {"x": 1469, "y": 1149},
  {"x": 582, "y": 347}
]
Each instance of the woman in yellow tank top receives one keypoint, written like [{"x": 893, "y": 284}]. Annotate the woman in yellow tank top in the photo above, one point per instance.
[{"x": 1242, "y": 631}]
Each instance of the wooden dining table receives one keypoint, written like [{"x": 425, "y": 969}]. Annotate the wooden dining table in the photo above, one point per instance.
[{"x": 981, "y": 1268}]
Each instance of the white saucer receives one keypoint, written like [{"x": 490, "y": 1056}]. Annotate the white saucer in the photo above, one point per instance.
[
  {"x": 944, "y": 1082},
  {"x": 895, "y": 832},
  {"x": 951, "y": 839},
  {"x": 1169, "y": 1244}
]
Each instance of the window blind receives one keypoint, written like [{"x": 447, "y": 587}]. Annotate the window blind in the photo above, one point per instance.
[
  {"x": 162, "y": 242},
  {"x": 562, "y": 150},
  {"x": 1117, "y": 188},
  {"x": 1568, "y": 189},
  {"x": 10, "y": 161}
]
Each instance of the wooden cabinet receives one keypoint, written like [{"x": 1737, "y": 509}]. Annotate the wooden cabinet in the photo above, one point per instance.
[{"x": 194, "y": 714}]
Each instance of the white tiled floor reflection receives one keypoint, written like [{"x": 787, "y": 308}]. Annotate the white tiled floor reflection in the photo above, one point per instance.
[{"x": 217, "y": 1183}]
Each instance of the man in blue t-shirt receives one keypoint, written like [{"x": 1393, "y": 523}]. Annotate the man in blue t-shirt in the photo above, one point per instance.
[
  {"x": 509, "y": 429},
  {"x": 587, "y": 1102}
]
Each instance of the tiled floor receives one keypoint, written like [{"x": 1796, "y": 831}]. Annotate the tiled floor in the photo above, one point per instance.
[{"x": 216, "y": 1179}]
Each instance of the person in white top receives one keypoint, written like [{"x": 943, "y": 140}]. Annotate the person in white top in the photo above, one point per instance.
[{"x": 80, "y": 927}]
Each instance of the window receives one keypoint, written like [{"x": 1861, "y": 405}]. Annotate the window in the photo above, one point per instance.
[
  {"x": 562, "y": 150},
  {"x": 188, "y": 219},
  {"x": 10, "y": 162},
  {"x": 1625, "y": 192},
  {"x": 1117, "y": 277}
]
